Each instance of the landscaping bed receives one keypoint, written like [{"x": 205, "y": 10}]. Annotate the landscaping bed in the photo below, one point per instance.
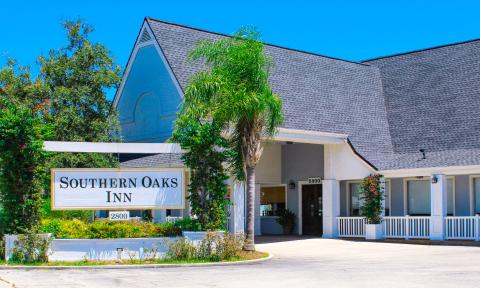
[{"x": 241, "y": 256}]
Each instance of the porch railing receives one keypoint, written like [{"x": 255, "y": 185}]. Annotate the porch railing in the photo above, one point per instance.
[
  {"x": 407, "y": 227},
  {"x": 351, "y": 226},
  {"x": 413, "y": 227},
  {"x": 462, "y": 227}
]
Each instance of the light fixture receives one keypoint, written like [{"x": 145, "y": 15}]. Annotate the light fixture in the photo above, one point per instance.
[
  {"x": 424, "y": 156},
  {"x": 434, "y": 179},
  {"x": 291, "y": 185}
]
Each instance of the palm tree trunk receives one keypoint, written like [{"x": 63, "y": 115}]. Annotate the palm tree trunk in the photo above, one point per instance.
[{"x": 250, "y": 241}]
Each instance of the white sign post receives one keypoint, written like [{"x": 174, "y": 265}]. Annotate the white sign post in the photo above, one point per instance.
[{"x": 113, "y": 189}]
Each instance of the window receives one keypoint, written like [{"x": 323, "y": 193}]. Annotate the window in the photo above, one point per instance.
[
  {"x": 418, "y": 197},
  {"x": 355, "y": 201},
  {"x": 450, "y": 197},
  {"x": 387, "y": 198},
  {"x": 476, "y": 195},
  {"x": 272, "y": 200}
]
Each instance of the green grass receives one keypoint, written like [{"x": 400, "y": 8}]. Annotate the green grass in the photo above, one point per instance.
[{"x": 244, "y": 255}]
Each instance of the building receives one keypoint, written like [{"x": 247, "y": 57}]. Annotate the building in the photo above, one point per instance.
[{"x": 412, "y": 117}]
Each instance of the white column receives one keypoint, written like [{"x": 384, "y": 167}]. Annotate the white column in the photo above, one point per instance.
[
  {"x": 330, "y": 194},
  {"x": 159, "y": 216},
  {"x": 438, "y": 195},
  {"x": 258, "y": 228},
  {"x": 237, "y": 216},
  {"x": 331, "y": 207}
]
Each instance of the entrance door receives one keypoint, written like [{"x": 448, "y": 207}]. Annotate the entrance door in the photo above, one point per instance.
[{"x": 312, "y": 220}]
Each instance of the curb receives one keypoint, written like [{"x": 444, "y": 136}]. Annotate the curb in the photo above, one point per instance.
[{"x": 137, "y": 266}]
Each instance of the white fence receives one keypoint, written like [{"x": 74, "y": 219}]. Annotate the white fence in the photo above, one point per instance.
[
  {"x": 408, "y": 227},
  {"x": 413, "y": 227},
  {"x": 351, "y": 226},
  {"x": 462, "y": 228}
]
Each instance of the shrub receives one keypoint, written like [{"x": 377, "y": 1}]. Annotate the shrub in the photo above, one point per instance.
[
  {"x": 47, "y": 213},
  {"x": 230, "y": 245},
  {"x": 209, "y": 247},
  {"x": 213, "y": 247},
  {"x": 371, "y": 192},
  {"x": 31, "y": 247},
  {"x": 180, "y": 249},
  {"x": 188, "y": 224},
  {"x": 76, "y": 229},
  {"x": 287, "y": 220}
]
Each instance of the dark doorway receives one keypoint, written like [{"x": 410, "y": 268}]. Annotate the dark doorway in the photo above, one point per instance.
[{"x": 312, "y": 220}]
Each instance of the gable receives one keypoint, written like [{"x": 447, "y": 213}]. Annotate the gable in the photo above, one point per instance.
[{"x": 149, "y": 100}]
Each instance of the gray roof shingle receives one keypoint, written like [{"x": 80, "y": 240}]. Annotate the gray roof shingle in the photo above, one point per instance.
[
  {"x": 432, "y": 100},
  {"x": 389, "y": 107}
]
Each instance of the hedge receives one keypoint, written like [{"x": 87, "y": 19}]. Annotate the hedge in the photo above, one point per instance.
[{"x": 104, "y": 229}]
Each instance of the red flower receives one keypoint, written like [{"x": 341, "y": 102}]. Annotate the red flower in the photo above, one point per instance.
[{"x": 22, "y": 147}]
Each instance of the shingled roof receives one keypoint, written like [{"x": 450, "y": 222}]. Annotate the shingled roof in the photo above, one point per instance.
[
  {"x": 389, "y": 108},
  {"x": 432, "y": 98}
]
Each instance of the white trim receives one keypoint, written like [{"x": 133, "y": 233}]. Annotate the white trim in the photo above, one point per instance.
[
  {"x": 308, "y": 136},
  {"x": 269, "y": 186},
  {"x": 405, "y": 192},
  {"x": 131, "y": 60},
  {"x": 102, "y": 147},
  {"x": 300, "y": 210},
  {"x": 472, "y": 194},
  {"x": 451, "y": 170}
]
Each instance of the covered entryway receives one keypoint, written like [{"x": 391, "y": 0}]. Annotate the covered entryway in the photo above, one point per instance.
[{"x": 312, "y": 212}]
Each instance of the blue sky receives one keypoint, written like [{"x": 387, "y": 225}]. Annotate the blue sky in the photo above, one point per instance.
[{"x": 352, "y": 30}]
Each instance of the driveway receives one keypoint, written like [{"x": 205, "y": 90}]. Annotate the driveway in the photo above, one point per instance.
[{"x": 298, "y": 262}]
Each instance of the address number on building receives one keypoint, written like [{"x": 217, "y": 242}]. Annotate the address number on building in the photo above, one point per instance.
[{"x": 119, "y": 215}]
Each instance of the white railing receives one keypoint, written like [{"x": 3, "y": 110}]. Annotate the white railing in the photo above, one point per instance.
[
  {"x": 417, "y": 227},
  {"x": 351, "y": 226},
  {"x": 413, "y": 227},
  {"x": 172, "y": 219},
  {"x": 462, "y": 227}
]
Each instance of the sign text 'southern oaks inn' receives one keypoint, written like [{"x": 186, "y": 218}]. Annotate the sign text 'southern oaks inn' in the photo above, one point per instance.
[{"x": 117, "y": 188}]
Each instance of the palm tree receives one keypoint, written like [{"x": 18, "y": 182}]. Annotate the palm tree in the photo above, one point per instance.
[{"x": 234, "y": 91}]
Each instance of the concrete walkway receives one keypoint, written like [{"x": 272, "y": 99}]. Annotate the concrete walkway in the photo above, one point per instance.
[{"x": 298, "y": 262}]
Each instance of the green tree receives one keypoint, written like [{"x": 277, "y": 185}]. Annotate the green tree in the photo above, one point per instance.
[
  {"x": 235, "y": 93},
  {"x": 22, "y": 162},
  {"x": 205, "y": 155},
  {"x": 77, "y": 78}
]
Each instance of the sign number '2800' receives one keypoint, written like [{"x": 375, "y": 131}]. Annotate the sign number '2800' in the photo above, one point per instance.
[{"x": 119, "y": 215}]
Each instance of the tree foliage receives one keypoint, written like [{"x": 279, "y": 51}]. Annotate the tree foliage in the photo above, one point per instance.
[
  {"x": 76, "y": 78},
  {"x": 65, "y": 102},
  {"x": 371, "y": 192},
  {"x": 22, "y": 162},
  {"x": 206, "y": 153},
  {"x": 234, "y": 93}
]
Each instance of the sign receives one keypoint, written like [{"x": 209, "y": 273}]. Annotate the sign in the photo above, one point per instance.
[
  {"x": 119, "y": 215},
  {"x": 113, "y": 189},
  {"x": 315, "y": 180}
]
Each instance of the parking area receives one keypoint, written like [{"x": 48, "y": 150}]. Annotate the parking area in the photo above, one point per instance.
[{"x": 297, "y": 262}]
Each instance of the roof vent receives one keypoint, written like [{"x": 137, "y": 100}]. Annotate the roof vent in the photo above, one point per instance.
[{"x": 145, "y": 36}]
